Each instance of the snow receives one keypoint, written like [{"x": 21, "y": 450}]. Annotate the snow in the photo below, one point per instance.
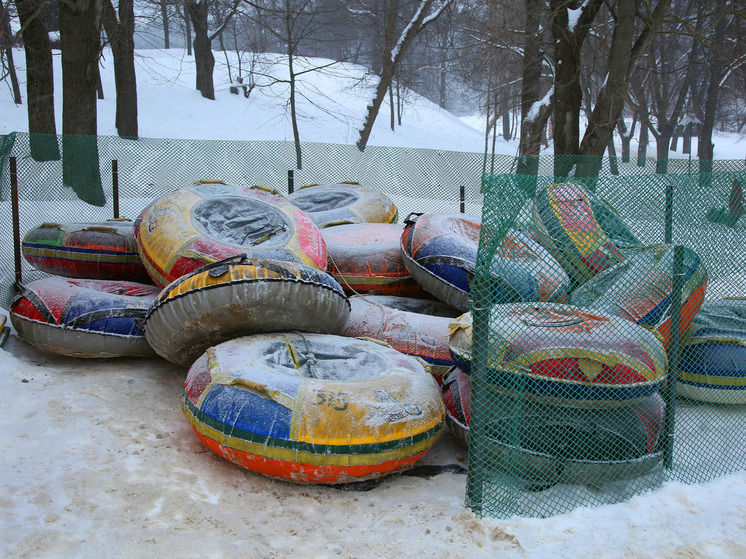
[{"x": 98, "y": 459}]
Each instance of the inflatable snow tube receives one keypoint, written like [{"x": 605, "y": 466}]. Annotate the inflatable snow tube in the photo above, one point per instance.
[
  {"x": 456, "y": 393},
  {"x": 581, "y": 231},
  {"x": 84, "y": 317},
  {"x": 548, "y": 445},
  {"x": 365, "y": 258},
  {"x": 440, "y": 251},
  {"x": 713, "y": 361},
  {"x": 313, "y": 408},
  {"x": 565, "y": 356},
  {"x": 521, "y": 270},
  {"x": 413, "y": 326},
  {"x": 640, "y": 289},
  {"x": 103, "y": 250},
  {"x": 211, "y": 221},
  {"x": 344, "y": 203},
  {"x": 241, "y": 296}
]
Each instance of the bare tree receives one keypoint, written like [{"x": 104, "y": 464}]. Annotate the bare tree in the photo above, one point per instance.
[
  {"x": 80, "y": 39},
  {"x": 393, "y": 51},
  {"x": 7, "y": 41},
  {"x": 120, "y": 34},
  {"x": 39, "y": 80},
  {"x": 203, "y": 57}
]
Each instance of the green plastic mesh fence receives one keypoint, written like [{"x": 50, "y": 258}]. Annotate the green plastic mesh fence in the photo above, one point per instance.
[
  {"x": 605, "y": 351},
  {"x": 72, "y": 179}
]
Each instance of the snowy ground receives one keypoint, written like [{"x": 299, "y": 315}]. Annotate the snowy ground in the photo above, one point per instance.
[{"x": 99, "y": 460}]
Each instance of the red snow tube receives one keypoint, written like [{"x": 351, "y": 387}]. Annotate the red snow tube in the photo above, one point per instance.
[
  {"x": 413, "y": 326},
  {"x": 84, "y": 317},
  {"x": 100, "y": 250},
  {"x": 365, "y": 258}
]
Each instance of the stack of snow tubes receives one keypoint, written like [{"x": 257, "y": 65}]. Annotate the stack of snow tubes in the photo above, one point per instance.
[
  {"x": 235, "y": 290},
  {"x": 323, "y": 342},
  {"x": 575, "y": 372}
]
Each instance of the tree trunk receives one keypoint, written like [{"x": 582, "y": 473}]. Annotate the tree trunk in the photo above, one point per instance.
[
  {"x": 613, "y": 164},
  {"x": 568, "y": 95},
  {"x": 642, "y": 148},
  {"x": 613, "y": 94},
  {"x": 532, "y": 118},
  {"x": 164, "y": 22},
  {"x": 686, "y": 143},
  {"x": 505, "y": 106},
  {"x": 391, "y": 106},
  {"x": 203, "y": 58},
  {"x": 392, "y": 55},
  {"x": 80, "y": 41},
  {"x": 123, "y": 49},
  {"x": 188, "y": 30},
  {"x": 39, "y": 82},
  {"x": 7, "y": 33}
]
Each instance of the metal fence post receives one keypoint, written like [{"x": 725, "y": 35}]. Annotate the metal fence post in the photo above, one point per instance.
[
  {"x": 462, "y": 198},
  {"x": 16, "y": 218},
  {"x": 291, "y": 182},
  {"x": 673, "y": 355},
  {"x": 115, "y": 186}
]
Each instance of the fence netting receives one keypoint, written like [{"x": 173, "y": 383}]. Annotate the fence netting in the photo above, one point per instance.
[
  {"x": 617, "y": 363},
  {"x": 621, "y": 362}
]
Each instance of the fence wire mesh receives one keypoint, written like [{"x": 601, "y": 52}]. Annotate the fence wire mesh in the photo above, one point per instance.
[
  {"x": 68, "y": 178},
  {"x": 575, "y": 385},
  {"x": 620, "y": 363}
]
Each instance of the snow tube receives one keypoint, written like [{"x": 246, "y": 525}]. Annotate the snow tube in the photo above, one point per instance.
[
  {"x": 580, "y": 230},
  {"x": 565, "y": 356},
  {"x": 102, "y": 250},
  {"x": 344, "y": 203},
  {"x": 440, "y": 251},
  {"x": 713, "y": 361},
  {"x": 365, "y": 258},
  {"x": 548, "y": 445},
  {"x": 640, "y": 289},
  {"x": 413, "y": 326},
  {"x": 313, "y": 408},
  {"x": 84, "y": 317},
  {"x": 211, "y": 221},
  {"x": 241, "y": 296},
  {"x": 456, "y": 393},
  {"x": 521, "y": 270}
]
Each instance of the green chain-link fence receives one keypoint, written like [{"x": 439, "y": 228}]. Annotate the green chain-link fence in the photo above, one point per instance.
[
  {"x": 585, "y": 391},
  {"x": 577, "y": 398}
]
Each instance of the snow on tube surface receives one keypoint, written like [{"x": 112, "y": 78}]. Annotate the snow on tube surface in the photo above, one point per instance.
[
  {"x": 211, "y": 221},
  {"x": 365, "y": 258},
  {"x": 241, "y": 296},
  {"x": 565, "y": 356},
  {"x": 713, "y": 361},
  {"x": 344, "y": 203},
  {"x": 313, "y": 408},
  {"x": 549, "y": 445},
  {"x": 640, "y": 289},
  {"x": 580, "y": 230},
  {"x": 100, "y": 250},
  {"x": 413, "y": 326},
  {"x": 84, "y": 317}
]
